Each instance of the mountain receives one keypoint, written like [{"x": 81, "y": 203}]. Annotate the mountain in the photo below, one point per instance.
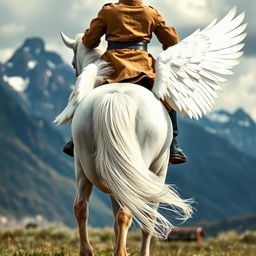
[
  {"x": 238, "y": 128},
  {"x": 220, "y": 177},
  {"x": 240, "y": 224},
  {"x": 36, "y": 177},
  {"x": 38, "y": 79}
]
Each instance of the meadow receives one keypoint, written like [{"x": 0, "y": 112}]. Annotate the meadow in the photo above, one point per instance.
[{"x": 62, "y": 241}]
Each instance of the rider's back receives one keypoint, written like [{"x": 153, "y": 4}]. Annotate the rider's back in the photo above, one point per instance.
[
  {"x": 125, "y": 23},
  {"x": 129, "y": 21}
]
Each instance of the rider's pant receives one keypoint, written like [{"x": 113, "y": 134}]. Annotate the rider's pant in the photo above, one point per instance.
[{"x": 173, "y": 116}]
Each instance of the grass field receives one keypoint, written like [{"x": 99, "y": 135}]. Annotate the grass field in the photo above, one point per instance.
[{"x": 60, "y": 241}]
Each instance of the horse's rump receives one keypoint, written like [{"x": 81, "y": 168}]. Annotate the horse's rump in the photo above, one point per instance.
[{"x": 126, "y": 141}]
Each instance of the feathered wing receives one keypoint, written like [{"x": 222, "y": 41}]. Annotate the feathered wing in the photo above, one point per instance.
[
  {"x": 189, "y": 73},
  {"x": 91, "y": 76}
]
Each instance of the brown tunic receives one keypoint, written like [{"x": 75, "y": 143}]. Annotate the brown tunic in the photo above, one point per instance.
[{"x": 127, "y": 21}]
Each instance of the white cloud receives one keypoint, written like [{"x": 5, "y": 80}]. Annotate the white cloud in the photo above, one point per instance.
[
  {"x": 185, "y": 12},
  {"x": 84, "y": 5},
  {"x": 240, "y": 90},
  {"x": 64, "y": 51},
  {"x": 22, "y": 9},
  {"x": 5, "y": 54},
  {"x": 194, "y": 11},
  {"x": 11, "y": 28},
  {"x": 83, "y": 12}
]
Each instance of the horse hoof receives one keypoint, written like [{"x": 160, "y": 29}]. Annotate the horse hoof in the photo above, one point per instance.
[{"x": 86, "y": 253}]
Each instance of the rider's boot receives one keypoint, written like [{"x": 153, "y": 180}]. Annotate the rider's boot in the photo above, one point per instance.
[
  {"x": 69, "y": 148},
  {"x": 176, "y": 154}
]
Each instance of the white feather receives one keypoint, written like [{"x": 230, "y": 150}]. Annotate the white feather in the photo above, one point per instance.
[{"x": 197, "y": 65}]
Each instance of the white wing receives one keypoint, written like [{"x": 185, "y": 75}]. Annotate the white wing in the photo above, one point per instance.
[
  {"x": 92, "y": 75},
  {"x": 84, "y": 83},
  {"x": 188, "y": 74}
]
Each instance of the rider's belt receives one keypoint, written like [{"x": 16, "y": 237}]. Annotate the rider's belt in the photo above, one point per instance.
[{"x": 127, "y": 45}]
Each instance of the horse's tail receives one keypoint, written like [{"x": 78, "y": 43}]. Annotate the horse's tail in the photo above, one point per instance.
[{"x": 121, "y": 167}]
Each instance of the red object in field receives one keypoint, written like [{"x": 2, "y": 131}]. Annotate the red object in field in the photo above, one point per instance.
[{"x": 186, "y": 234}]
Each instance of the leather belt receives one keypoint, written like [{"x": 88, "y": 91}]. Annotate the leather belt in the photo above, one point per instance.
[{"x": 127, "y": 45}]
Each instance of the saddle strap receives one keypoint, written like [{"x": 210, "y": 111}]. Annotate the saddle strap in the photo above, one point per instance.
[{"x": 127, "y": 45}]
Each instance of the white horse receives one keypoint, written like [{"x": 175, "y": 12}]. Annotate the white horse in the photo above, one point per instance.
[
  {"x": 122, "y": 132},
  {"x": 122, "y": 135}
]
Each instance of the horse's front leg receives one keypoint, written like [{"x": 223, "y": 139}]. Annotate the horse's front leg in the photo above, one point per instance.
[{"x": 84, "y": 189}]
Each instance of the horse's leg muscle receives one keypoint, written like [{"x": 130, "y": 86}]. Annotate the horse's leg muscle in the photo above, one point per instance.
[
  {"x": 123, "y": 220},
  {"x": 145, "y": 246},
  {"x": 115, "y": 208},
  {"x": 160, "y": 169},
  {"x": 84, "y": 189}
]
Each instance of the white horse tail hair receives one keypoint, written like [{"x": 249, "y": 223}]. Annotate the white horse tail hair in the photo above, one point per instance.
[{"x": 121, "y": 167}]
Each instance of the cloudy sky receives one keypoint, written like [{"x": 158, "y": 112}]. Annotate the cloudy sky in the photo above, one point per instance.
[{"x": 46, "y": 18}]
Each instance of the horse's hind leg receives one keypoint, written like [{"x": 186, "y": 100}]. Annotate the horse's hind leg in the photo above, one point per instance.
[
  {"x": 84, "y": 189},
  {"x": 123, "y": 220},
  {"x": 145, "y": 246},
  {"x": 160, "y": 169}
]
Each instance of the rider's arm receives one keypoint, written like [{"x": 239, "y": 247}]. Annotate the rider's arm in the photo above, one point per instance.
[
  {"x": 97, "y": 29},
  {"x": 165, "y": 34}
]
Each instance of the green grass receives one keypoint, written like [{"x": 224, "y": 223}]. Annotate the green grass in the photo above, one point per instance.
[{"x": 60, "y": 241}]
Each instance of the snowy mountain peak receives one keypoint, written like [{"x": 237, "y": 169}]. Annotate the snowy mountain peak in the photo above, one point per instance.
[
  {"x": 34, "y": 45},
  {"x": 237, "y": 127},
  {"x": 219, "y": 116},
  {"x": 17, "y": 83},
  {"x": 38, "y": 77},
  {"x": 241, "y": 115},
  {"x": 30, "y": 56}
]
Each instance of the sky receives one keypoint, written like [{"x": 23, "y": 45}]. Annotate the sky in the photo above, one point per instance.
[{"x": 46, "y": 18}]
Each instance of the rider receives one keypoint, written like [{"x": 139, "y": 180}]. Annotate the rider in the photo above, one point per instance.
[{"x": 128, "y": 26}]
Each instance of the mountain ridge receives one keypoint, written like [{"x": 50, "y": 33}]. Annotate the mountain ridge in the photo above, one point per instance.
[
  {"x": 39, "y": 79},
  {"x": 238, "y": 128},
  {"x": 239, "y": 224},
  {"x": 36, "y": 177}
]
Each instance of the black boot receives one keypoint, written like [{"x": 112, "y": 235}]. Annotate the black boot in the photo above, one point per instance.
[
  {"x": 176, "y": 154},
  {"x": 69, "y": 148}
]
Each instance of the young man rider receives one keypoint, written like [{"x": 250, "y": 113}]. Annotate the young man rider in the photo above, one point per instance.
[{"x": 128, "y": 26}]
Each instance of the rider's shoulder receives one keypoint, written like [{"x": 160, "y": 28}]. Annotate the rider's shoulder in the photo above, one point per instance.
[
  {"x": 107, "y": 5},
  {"x": 152, "y": 9}
]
